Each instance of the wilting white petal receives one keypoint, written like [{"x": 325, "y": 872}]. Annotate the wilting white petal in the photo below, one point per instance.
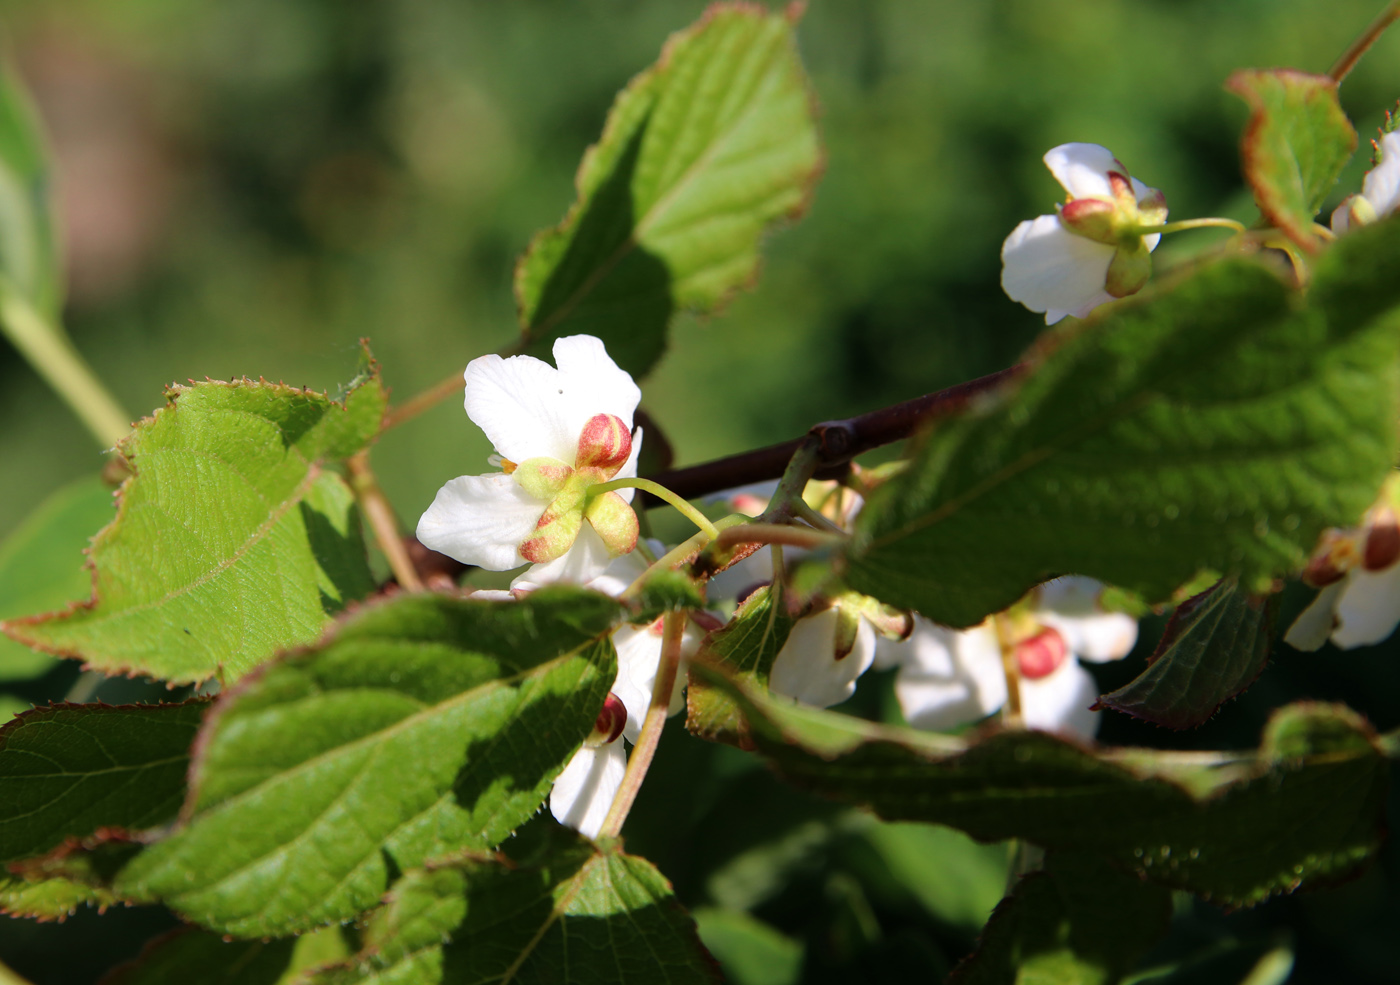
[
  {"x": 1341, "y": 216},
  {"x": 949, "y": 677},
  {"x": 493, "y": 595},
  {"x": 519, "y": 404},
  {"x": 1368, "y": 609},
  {"x": 1060, "y": 702},
  {"x": 1381, "y": 186},
  {"x": 1048, "y": 268},
  {"x": 585, "y": 790},
  {"x": 580, "y": 564},
  {"x": 592, "y": 383},
  {"x": 1082, "y": 169},
  {"x": 481, "y": 520},
  {"x": 806, "y": 668},
  {"x": 1314, "y": 624}
]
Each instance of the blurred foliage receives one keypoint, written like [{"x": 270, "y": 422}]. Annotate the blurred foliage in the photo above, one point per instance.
[{"x": 251, "y": 186}]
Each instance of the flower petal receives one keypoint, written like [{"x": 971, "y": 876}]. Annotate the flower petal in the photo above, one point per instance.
[
  {"x": 1070, "y": 605},
  {"x": 1315, "y": 623},
  {"x": 638, "y": 658},
  {"x": 480, "y": 520},
  {"x": 1368, "y": 609},
  {"x": 583, "y": 562},
  {"x": 1381, "y": 186},
  {"x": 1082, "y": 169},
  {"x": 1060, "y": 702},
  {"x": 1048, "y": 268},
  {"x": 585, "y": 790},
  {"x": 950, "y": 677},
  {"x": 806, "y": 668},
  {"x": 591, "y": 383},
  {"x": 519, "y": 403}
]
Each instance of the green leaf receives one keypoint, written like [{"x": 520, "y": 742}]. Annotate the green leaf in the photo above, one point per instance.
[
  {"x": 1232, "y": 827},
  {"x": 1295, "y": 145},
  {"x": 663, "y": 592},
  {"x": 580, "y": 915},
  {"x": 1219, "y": 424},
  {"x": 700, "y": 154},
  {"x": 67, "y": 771},
  {"x": 28, "y": 254},
  {"x": 42, "y": 565},
  {"x": 954, "y": 878},
  {"x": 749, "y": 951},
  {"x": 1079, "y": 921},
  {"x": 191, "y": 955},
  {"x": 1214, "y": 646},
  {"x": 46, "y": 899},
  {"x": 425, "y": 725},
  {"x": 747, "y": 646},
  {"x": 232, "y": 539}
]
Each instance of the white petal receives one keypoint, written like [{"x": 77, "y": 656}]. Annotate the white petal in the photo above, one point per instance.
[
  {"x": 1381, "y": 185},
  {"x": 756, "y": 569},
  {"x": 493, "y": 595},
  {"x": 1048, "y": 268},
  {"x": 1060, "y": 702},
  {"x": 579, "y": 565},
  {"x": 806, "y": 668},
  {"x": 1082, "y": 169},
  {"x": 1070, "y": 605},
  {"x": 519, "y": 403},
  {"x": 592, "y": 383},
  {"x": 1368, "y": 609},
  {"x": 1314, "y": 624},
  {"x": 585, "y": 790},
  {"x": 481, "y": 520},
  {"x": 1341, "y": 217},
  {"x": 950, "y": 677},
  {"x": 638, "y": 657}
]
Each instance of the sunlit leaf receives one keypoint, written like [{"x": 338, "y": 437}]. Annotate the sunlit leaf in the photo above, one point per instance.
[{"x": 747, "y": 645}]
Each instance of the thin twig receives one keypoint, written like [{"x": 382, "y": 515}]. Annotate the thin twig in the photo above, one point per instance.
[
  {"x": 426, "y": 400},
  {"x": 1368, "y": 37},
  {"x": 640, "y": 760},
  {"x": 776, "y": 533},
  {"x": 382, "y": 521}
]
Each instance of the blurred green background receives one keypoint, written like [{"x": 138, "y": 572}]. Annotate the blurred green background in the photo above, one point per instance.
[{"x": 248, "y": 187}]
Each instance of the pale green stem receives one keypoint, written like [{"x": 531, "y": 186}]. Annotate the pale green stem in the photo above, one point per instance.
[
  {"x": 1185, "y": 224},
  {"x": 662, "y": 493},
  {"x": 1368, "y": 37},
  {"x": 51, "y": 353},
  {"x": 679, "y": 553},
  {"x": 801, "y": 510},
  {"x": 639, "y": 761}
]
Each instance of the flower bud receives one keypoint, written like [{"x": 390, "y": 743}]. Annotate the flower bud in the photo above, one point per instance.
[
  {"x": 609, "y": 724},
  {"x": 604, "y": 445},
  {"x": 1041, "y": 655},
  {"x": 1092, "y": 218},
  {"x": 1382, "y": 541}
]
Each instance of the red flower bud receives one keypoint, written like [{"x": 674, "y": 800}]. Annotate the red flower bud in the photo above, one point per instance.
[
  {"x": 610, "y": 722},
  {"x": 1041, "y": 655}
]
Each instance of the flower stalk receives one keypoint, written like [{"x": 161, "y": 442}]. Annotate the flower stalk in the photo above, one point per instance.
[{"x": 381, "y": 519}]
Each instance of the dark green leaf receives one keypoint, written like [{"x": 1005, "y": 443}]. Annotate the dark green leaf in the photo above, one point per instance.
[
  {"x": 189, "y": 955},
  {"x": 1295, "y": 145},
  {"x": 1233, "y": 827},
  {"x": 232, "y": 539},
  {"x": 1079, "y": 921},
  {"x": 749, "y": 951},
  {"x": 425, "y": 725},
  {"x": 699, "y": 156},
  {"x": 42, "y": 565},
  {"x": 1220, "y": 424},
  {"x": 1213, "y": 648},
  {"x": 67, "y": 771},
  {"x": 747, "y": 646},
  {"x": 579, "y": 915}
]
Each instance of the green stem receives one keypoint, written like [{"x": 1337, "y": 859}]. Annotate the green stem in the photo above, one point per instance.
[
  {"x": 680, "y": 552},
  {"x": 800, "y": 469},
  {"x": 639, "y": 762},
  {"x": 1368, "y": 37},
  {"x": 662, "y": 493},
  {"x": 1184, "y": 224},
  {"x": 51, "y": 353}
]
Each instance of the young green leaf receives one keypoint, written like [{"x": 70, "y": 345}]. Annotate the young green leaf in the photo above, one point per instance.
[
  {"x": 1235, "y": 828},
  {"x": 28, "y": 255},
  {"x": 425, "y": 725},
  {"x": 67, "y": 771},
  {"x": 1213, "y": 648},
  {"x": 191, "y": 955},
  {"x": 581, "y": 915},
  {"x": 749, "y": 951},
  {"x": 747, "y": 645},
  {"x": 42, "y": 565},
  {"x": 700, "y": 154},
  {"x": 232, "y": 538},
  {"x": 1220, "y": 424},
  {"x": 1295, "y": 145},
  {"x": 1079, "y": 920}
]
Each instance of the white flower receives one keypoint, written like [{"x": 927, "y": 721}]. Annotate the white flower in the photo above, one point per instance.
[
  {"x": 1358, "y": 571},
  {"x": 1090, "y": 251},
  {"x": 823, "y": 655},
  {"x": 948, "y": 677},
  {"x": 558, "y": 432},
  {"x": 1380, "y": 190}
]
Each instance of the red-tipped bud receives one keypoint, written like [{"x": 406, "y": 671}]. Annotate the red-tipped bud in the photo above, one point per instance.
[
  {"x": 604, "y": 444},
  {"x": 1041, "y": 655},
  {"x": 1382, "y": 541},
  {"x": 611, "y": 720},
  {"x": 1092, "y": 218}
]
